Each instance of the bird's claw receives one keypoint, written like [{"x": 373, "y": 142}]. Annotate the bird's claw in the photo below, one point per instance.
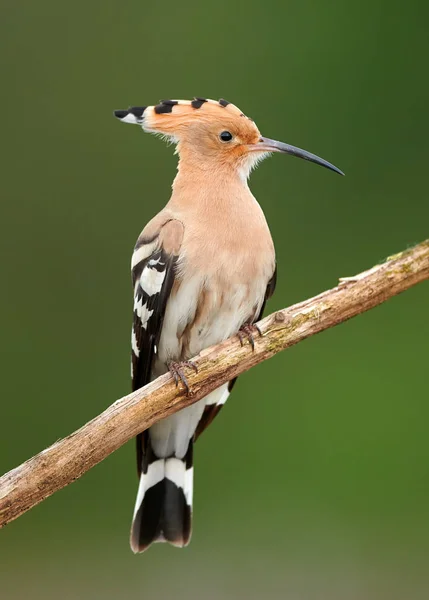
[
  {"x": 176, "y": 370},
  {"x": 247, "y": 331}
]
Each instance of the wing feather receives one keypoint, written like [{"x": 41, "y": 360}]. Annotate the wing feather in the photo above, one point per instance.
[
  {"x": 154, "y": 278},
  {"x": 153, "y": 273}
]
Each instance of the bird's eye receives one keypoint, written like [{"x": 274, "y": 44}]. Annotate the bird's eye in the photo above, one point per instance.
[{"x": 225, "y": 136}]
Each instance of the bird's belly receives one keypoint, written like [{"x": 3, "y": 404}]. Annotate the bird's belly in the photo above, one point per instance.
[
  {"x": 218, "y": 325},
  {"x": 202, "y": 313}
]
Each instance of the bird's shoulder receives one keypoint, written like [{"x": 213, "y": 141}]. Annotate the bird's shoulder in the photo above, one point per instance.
[{"x": 165, "y": 231}]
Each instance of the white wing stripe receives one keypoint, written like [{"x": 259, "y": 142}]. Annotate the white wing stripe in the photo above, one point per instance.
[
  {"x": 134, "y": 344},
  {"x": 151, "y": 280},
  {"x": 142, "y": 253},
  {"x": 142, "y": 311}
]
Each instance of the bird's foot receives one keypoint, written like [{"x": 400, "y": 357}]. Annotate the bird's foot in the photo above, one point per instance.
[
  {"x": 248, "y": 330},
  {"x": 176, "y": 369}
]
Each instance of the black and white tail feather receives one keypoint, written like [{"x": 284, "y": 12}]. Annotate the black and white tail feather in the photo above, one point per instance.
[{"x": 164, "y": 500}]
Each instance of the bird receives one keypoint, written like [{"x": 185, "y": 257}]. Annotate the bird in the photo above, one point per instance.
[{"x": 202, "y": 271}]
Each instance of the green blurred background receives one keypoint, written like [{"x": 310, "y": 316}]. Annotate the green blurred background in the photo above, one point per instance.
[{"x": 313, "y": 483}]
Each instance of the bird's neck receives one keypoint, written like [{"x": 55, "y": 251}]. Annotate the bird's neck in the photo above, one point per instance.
[
  {"x": 209, "y": 182},
  {"x": 219, "y": 213}
]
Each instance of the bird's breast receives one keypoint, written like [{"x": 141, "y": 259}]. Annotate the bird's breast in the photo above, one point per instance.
[{"x": 211, "y": 300}]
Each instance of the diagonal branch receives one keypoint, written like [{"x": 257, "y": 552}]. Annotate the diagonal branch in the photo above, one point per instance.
[{"x": 68, "y": 459}]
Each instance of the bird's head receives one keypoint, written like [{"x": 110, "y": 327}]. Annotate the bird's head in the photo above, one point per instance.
[{"x": 212, "y": 133}]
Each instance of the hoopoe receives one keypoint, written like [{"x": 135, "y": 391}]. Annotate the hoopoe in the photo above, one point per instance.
[{"x": 202, "y": 271}]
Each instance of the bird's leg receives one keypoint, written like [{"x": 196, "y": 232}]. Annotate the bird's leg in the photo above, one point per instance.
[
  {"x": 176, "y": 369},
  {"x": 248, "y": 331}
]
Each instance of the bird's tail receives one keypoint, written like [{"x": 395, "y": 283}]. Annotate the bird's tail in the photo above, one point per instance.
[{"x": 163, "y": 507}]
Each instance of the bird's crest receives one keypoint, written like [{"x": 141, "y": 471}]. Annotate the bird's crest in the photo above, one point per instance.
[{"x": 171, "y": 117}]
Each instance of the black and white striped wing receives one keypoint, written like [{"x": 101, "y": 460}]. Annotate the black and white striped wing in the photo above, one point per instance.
[
  {"x": 153, "y": 278},
  {"x": 213, "y": 408}
]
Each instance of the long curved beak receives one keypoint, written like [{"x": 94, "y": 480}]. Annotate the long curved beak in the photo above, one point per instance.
[{"x": 267, "y": 145}]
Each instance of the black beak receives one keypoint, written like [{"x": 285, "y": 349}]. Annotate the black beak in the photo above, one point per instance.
[{"x": 267, "y": 145}]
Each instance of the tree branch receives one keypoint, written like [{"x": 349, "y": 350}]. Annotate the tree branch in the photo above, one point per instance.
[{"x": 68, "y": 459}]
